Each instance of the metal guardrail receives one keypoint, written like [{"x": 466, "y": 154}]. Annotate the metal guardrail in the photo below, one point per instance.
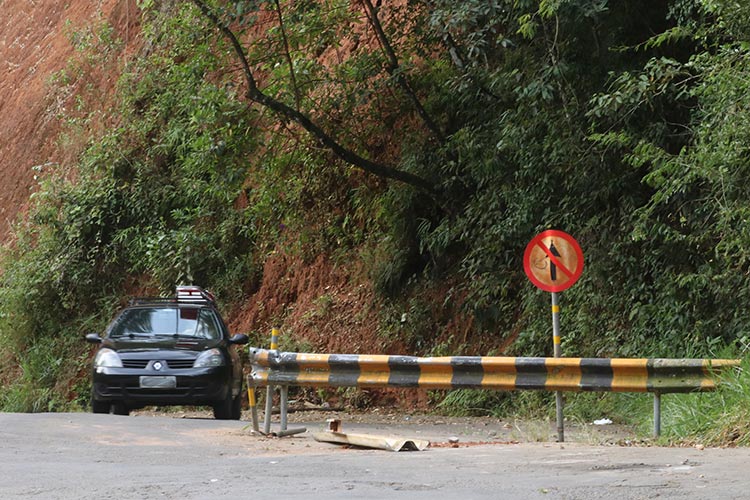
[
  {"x": 659, "y": 376},
  {"x": 271, "y": 367}
]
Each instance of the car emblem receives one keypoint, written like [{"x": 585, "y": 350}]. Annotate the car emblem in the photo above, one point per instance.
[{"x": 158, "y": 366}]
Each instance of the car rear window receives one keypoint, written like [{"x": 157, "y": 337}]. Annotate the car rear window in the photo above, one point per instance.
[{"x": 156, "y": 321}]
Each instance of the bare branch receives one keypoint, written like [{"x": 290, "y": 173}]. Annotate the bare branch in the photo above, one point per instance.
[
  {"x": 393, "y": 69},
  {"x": 289, "y": 113},
  {"x": 288, "y": 54}
]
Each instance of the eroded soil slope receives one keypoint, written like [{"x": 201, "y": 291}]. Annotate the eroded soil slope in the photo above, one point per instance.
[{"x": 34, "y": 45}]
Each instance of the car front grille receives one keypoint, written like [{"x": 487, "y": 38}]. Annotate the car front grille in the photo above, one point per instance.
[
  {"x": 134, "y": 363},
  {"x": 174, "y": 364},
  {"x": 180, "y": 364}
]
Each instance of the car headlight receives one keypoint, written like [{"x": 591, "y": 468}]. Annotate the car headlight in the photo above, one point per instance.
[
  {"x": 107, "y": 358},
  {"x": 212, "y": 357}
]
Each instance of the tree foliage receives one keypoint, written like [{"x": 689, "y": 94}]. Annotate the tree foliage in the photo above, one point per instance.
[{"x": 433, "y": 137}]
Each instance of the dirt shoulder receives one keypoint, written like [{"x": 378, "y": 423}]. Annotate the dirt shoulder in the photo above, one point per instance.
[{"x": 441, "y": 431}]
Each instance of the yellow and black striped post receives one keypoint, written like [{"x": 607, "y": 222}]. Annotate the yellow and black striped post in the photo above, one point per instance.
[
  {"x": 557, "y": 353},
  {"x": 252, "y": 402},
  {"x": 269, "y": 389},
  {"x": 274, "y": 339}
]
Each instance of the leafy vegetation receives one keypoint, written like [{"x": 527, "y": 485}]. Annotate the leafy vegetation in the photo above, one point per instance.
[
  {"x": 426, "y": 141},
  {"x": 713, "y": 419}
]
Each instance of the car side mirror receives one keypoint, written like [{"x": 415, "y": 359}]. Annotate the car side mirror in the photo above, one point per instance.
[
  {"x": 239, "y": 339},
  {"x": 93, "y": 338}
]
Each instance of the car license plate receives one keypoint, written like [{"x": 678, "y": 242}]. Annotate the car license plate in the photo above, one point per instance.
[{"x": 158, "y": 382}]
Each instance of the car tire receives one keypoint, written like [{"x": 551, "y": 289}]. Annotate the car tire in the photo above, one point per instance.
[
  {"x": 223, "y": 408},
  {"x": 237, "y": 407},
  {"x": 119, "y": 408},
  {"x": 228, "y": 408},
  {"x": 99, "y": 406}
]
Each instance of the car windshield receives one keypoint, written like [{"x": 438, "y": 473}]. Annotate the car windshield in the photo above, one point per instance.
[{"x": 159, "y": 321}]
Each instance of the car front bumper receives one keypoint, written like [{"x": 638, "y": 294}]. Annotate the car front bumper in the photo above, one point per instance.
[{"x": 196, "y": 386}]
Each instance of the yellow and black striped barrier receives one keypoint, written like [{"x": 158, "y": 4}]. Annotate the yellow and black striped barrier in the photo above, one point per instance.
[
  {"x": 272, "y": 367},
  {"x": 659, "y": 376}
]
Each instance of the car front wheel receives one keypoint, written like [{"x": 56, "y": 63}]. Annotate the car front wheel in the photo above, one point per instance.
[
  {"x": 228, "y": 408},
  {"x": 119, "y": 408},
  {"x": 237, "y": 407},
  {"x": 99, "y": 406}
]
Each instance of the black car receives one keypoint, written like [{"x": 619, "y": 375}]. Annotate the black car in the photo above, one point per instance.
[{"x": 168, "y": 351}]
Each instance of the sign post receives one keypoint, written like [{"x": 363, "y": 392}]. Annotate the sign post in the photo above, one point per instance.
[
  {"x": 553, "y": 261},
  {"x": 557, "y": 353}
]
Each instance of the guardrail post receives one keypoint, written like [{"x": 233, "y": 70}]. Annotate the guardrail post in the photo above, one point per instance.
[
  {"x": 657, "y": 414},
  {"x": 284, "y": 399},
  {"x": 252, "y": 402},
  {"x": 269, "y": 408},
  {"x": 274, "y": 339},
  {"x": 269, "y": 390}
]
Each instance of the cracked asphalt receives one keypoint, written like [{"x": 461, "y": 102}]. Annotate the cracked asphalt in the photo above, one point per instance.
[{"x": 79, "y": 455}]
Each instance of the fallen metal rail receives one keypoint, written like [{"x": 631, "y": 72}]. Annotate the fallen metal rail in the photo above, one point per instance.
[{"x": 659, "y": 376}]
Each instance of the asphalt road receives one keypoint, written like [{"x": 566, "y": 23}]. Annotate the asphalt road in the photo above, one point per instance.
[{"x": 75, "y": 455}]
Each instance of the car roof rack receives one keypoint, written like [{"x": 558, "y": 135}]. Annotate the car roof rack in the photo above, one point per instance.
[
  {"x": 183, "y": 295},
  {"x": 194, "y": 294}
]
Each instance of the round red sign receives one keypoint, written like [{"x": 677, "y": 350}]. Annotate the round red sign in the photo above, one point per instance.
[{"x": 553, "y": 261}]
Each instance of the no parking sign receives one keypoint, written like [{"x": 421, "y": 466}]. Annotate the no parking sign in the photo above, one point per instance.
[{"x": 553, "y": 261}]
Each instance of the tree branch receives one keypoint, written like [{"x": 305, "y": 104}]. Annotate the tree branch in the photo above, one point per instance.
[
  {"x": 288, "y": 54},
  {"x": 393, "y": 70},
  {"x": 289, "y": 113}
]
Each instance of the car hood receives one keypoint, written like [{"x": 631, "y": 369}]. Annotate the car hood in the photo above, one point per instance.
[{"x": 160, "y": 343}]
